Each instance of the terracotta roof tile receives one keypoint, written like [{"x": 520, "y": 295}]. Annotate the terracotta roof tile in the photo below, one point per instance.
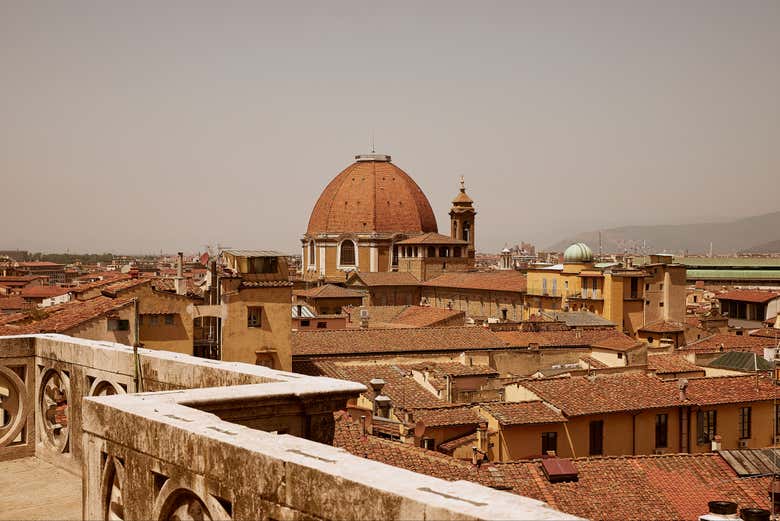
[
  {"x": 647, "y": 488},
  {"x": 365, "y": 341},
  {"x": 523, "y": 413},
  {"x": 61, "y": 318},
  {"x": 403, "y": 455},
  {"x": 731, "y": 389},
  {"x": 663, "y": 326},
  {"x": 724, "y": 342},
  {"x": 748, "y": 295},
  {"x": 13, "y": 302},
  {"x": 670, "y": 363},
  {"x": 511, "y": 280},
  {"x": 388, "y": 278},
  {"x": 403, "y": 390},
  {"x": 43, "y": 291},
  {"x": 455, "y": 368},
  {"x": 329, "y": 291},
  {"x": 433, "y": 238},
  {"x": 427, "y": 316},
  {"x": 372, "y": 196},
  {"x": 266, "y": 284},
  {"x": 602, "y": 338},
  {"x": 580, "y": 395},
  {"x": 445, "y": 416}
]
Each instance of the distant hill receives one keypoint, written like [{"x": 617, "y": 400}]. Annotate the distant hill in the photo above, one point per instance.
[
  {"x": 747, "y": 234},
  {"x": 767, "y": 247}
]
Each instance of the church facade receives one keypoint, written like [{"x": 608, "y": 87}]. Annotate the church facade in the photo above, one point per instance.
[{"x": 373, "y": 217}]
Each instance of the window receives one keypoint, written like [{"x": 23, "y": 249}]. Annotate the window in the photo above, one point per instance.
[
  {"x": 394, "y": 259},
  {"x": 466, "y": 231},
  {"x": 744, "y": 422},
  {"x": 347, "y": 254},
  {"x": 305, "y": 323},
  {"x": 596, "y": 438},
  {"x": 620, "y": 356},
  {"x": 647, "y": 287},
  {"x": 117, "y": 324},
  {"x": 168, "y": 319},
  {"x": 444, "y": 252},
  {"x": 263, "y": 264},
  {"x": 549, "y": 442},
  {"x": 311, "y": 253},
  {"x": 431, "y": 251},
  {"x": 706, "y": 426},
  {"x": 661, "y": 431},
  {"x": 695, "y": 299},
  {"x": 661, "y": 286},
  {"x": 322, "y": 325},
  {"x": 154, "y": 320},
  {"x": 661, "y": 304},
  {"x": 777, "y": 419},
  {"x": 504, "y": 314},
  {"x": 428, "y": 443},
  {"x": 254, "y": 316},
  {"x": 649, "y": 340}
]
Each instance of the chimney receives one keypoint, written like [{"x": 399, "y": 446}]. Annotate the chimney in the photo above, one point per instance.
[
  {"x": 179, "y": 283},
  {"x": 754, "y": 514},
  {"x": 720, "y": 511},
  {"x": 483, "y": 439},
  {"x": 717, "y": 444},
  {"x": 363, "y": 319},
  {"x": 214, "y": 289},
  {"x": 682, "y": 385},
  {"x": 382, "y": 405}
]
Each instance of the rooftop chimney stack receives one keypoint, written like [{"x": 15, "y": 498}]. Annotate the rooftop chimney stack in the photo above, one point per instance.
[
  {"x": 682, "y": 384},
  {"x": 363, "y": 319},
  {"x": 179, "y": 282},
  {"x": 720, "y": 511}
]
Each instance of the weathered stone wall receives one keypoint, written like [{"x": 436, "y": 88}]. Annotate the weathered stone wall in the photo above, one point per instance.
[{"x": 222, "y": 470}]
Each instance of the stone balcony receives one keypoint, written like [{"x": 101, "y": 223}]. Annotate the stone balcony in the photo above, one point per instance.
[{"x": 204, "y": 440}]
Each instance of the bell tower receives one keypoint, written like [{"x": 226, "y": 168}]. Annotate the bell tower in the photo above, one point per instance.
[{"x": 462, "y": 216}]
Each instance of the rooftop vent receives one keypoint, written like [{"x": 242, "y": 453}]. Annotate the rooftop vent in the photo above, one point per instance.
[
  {"x": 720, "y": 511},
  {"x": 754, "y": 514},
  {"x": 558, "y": 470},
  {"x": 376, "y": 385},
  {"x": 384, "y": 158}
]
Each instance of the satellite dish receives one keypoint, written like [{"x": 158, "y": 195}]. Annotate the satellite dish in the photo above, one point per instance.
[{"x": 419, "y": 429}]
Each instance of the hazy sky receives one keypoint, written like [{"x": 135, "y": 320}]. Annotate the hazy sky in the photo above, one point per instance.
[{"x": 149, "y": 125}]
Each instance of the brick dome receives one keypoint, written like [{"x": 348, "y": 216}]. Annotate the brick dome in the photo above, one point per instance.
[{"x": 372, "y": 195}]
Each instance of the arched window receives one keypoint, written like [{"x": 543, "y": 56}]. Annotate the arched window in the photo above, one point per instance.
[
  {"x": 466, "y": 231},
  {"x": 311, "y": 253},
  {"x": 347, "y": 255}
]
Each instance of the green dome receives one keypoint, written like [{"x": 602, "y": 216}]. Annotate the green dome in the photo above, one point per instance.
[{"x": 578, "y": 253}]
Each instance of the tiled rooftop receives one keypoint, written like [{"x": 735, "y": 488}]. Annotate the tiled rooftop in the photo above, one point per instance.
[
  {"x": 602, "y": 338},
  {"x": 367, "y": 341},
  {"x": 426, "y": 316},
  {"x": 713, "y": 343},
  {"x": 62, "y": 317},
  {"x": 402, "y": 389},
  {"x": 446, "y": 416},
  {"x": 748, "y": 295},
  {"x": 646, "y": 488},
  {"x": 510, "y": 280},
  {"x": 670, "y": 363},
  {"x": 638, "y": 488},
  {"x": 663, "y": 326},
  {"x": 43, "y": 291},
  {"x": 388, "y": 278},
  {"x": 523, "y": 413},
  {"x": 329, "y": 291}
]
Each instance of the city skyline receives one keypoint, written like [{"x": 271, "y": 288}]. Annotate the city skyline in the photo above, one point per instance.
[{"x": 131, "y": 131}]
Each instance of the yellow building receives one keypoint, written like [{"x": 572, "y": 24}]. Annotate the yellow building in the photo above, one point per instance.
[
  {"x": 628, "y": 296},
  {"x": 372, "y": 216}
]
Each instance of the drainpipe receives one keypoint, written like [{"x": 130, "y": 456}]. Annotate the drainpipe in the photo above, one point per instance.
[
  {"x": 568, "y": 437},
  {"x": 137, "y": 380}
]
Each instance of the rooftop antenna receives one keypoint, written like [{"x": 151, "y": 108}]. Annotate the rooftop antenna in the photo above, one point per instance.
[
  {"x": 373, "y": 149},
  {"x": 600, "y": 251}
]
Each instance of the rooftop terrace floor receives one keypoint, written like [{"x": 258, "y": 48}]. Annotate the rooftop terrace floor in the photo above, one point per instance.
[{"x": 34, "y": 489}]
